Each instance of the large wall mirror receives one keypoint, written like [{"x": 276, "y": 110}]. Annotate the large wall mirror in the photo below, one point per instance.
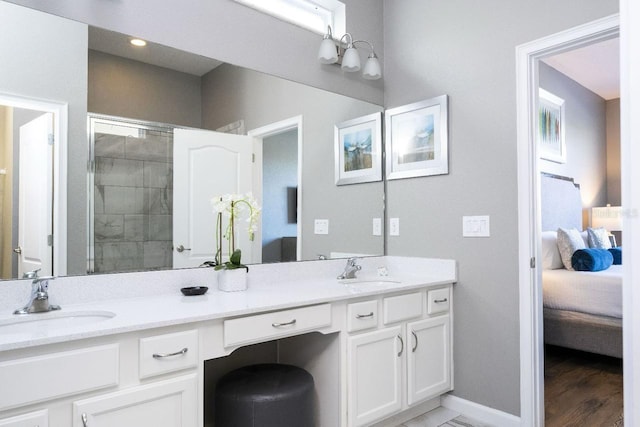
[{"x": 128, "y": 110}]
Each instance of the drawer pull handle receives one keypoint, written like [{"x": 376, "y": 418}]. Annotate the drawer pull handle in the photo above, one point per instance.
[
  {"x": 440, "y": 300},
  {"x": 85, "y": 422},
  {"x": 364, "y": 316},
  {"x": 280, "y": 325},
  {"x": 163, "y": 355},
  {"x": 401, "y": 346},
  {"x": 415, "y": 347}
]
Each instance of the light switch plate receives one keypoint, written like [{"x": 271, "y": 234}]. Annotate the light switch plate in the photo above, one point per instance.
[
  {"x": 377, "y": 226},
  {"x": 476, "y": 226},
  {"x": 321, "y": 226},
  {"x": 394, "y": 226}
]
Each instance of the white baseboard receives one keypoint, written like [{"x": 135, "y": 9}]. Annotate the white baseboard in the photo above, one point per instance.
[{"x": 479, "y": 412}]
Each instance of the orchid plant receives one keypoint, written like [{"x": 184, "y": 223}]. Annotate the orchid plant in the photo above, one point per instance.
[{"x": 232, "y": 207}]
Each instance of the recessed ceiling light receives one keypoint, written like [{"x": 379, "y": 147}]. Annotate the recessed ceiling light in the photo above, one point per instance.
[{"x": 138, "y": 42}]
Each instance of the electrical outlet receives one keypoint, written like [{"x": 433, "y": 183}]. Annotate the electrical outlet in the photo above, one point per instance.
[
  {"x": 321, "y": 226},
  {"x": 377, "y": 226},
  {"x": 394, "y": 226}
]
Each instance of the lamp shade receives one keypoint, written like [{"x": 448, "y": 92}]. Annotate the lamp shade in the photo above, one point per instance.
[
  {"x": 328, "y": 54},
  {"x": 351, "y": 60},
  {"x": 372, "y": 70},
  {"x": 608, "y": 217}
]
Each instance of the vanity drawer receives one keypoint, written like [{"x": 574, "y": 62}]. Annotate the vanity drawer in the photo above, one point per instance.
[
  {"x": 34, "y": 379},
  {"x": 402, "y": 307},
  {"x": 438, "y": 301},
  {"x": 167, "y": 353},
  {"x": 263, "y": 327},
  {"x": 362, "y": 315}
]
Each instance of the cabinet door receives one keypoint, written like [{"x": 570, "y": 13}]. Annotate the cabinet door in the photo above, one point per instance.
[
  {"x": 375, "y": 368},
  {"x": 39, "y": 419},
  {"x": 429, "y": 358},
  {"x": 170, "y": 403}
]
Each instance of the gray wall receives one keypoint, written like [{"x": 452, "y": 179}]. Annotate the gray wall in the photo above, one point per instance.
[
  {"x": 127, "y": 88},
  {"x": 613, "y": 152},
  {"x": 280, "y": 172},
  {"x": 230, "y": 93},
  {"x": 51, "y": 64},
  {"x": 235, "y": 34},
  {"x": 466, "y": 49},
  {"x": 585, "y": 137}
]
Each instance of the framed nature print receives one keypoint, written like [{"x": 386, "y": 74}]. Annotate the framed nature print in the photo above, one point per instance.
[
  {"x": 358, "y": 150},
  {"x": 416, "y": 141},
  {"x": 551, "y": 143}
]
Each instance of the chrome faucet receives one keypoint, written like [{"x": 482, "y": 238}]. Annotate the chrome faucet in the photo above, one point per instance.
[
  {"x": 350, "y": 269},
  {"x": 39, "y": 300}
]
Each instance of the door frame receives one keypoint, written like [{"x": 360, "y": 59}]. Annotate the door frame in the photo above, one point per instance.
[
  {"x": 529, "y": 223},
  {"x": 273, "y": 129},
  {"x": 60, "y": 132}
]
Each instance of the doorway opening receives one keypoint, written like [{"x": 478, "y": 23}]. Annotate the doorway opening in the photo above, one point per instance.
[
  {"x": 33, "y": 228},
  {"x": 278, "y": 172},
  {"x": 529, "y": 183}
]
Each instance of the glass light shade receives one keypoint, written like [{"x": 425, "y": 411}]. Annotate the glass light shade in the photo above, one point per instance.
[
  {"x": 327, "y": 54},
  {"x": 372, "y": 70},
  {"x": 351, "y": 60}
]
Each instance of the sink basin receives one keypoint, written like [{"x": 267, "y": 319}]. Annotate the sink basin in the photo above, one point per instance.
[
  {"x": 379, "y": 281},
  {"x": 39, "y": 323}
]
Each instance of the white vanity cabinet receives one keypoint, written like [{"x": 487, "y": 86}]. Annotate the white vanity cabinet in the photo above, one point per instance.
[
  {"x": 406, "y": 360},
  {"x": 148, "y": 378}
]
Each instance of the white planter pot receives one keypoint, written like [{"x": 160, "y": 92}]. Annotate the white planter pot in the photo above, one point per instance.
[{"x": 232, "y": 280}]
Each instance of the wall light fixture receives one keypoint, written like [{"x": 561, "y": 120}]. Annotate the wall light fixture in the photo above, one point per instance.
[{"x": 346, "y": 54}]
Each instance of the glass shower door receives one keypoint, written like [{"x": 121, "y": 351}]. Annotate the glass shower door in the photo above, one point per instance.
[{"x": 130, "y": 195}]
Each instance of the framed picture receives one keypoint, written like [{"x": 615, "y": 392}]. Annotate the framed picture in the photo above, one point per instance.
[
  {"x": 551, "y": 144},
  {"x": 416, "y": 141},
  {"x": 358, "y": 150}
]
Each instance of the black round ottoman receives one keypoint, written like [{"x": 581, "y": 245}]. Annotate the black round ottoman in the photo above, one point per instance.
[{"x": 266, "y": 395}]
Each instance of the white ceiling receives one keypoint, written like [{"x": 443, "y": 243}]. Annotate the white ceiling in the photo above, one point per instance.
[
  {"x": 596, "y": 67},
  {"x": 155, "y": 54}
]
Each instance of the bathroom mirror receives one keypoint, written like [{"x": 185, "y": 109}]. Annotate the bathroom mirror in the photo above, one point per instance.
[{"x": 132, "y": 95}]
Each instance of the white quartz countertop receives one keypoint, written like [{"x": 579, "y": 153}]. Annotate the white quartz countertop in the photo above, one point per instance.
[{"x": 269, "y": 289}]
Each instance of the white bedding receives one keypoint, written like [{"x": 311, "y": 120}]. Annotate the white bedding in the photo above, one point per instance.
[{"x": 597, "y": 292}]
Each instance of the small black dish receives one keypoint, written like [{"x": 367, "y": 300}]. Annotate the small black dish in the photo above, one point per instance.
[{"x": 194, "y": 290}]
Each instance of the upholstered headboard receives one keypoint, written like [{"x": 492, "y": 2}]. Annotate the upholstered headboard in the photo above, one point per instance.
[{"x": 561, "y": 204}]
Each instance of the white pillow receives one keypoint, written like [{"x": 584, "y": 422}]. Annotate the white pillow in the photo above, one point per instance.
[
  {"x": 598, "y": 238},
  {"x": 551, "y": 259},
  {"x": 569, "y": 241}
]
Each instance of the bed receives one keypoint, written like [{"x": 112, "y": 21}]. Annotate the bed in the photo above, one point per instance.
[{"x": 582, "y": 310}]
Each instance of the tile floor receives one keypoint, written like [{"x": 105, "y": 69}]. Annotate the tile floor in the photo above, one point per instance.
[{"x": 442, "y": 417}]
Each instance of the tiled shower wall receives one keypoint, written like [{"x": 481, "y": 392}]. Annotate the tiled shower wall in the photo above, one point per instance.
[{"x": 133, "y": 202}]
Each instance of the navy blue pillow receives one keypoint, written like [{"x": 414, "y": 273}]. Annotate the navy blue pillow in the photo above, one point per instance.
[
  {"x": 617, "y": 255},
  {"x": 591, "y": 259}
]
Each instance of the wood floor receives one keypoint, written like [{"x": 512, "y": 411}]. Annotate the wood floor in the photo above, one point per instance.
[{"x": 582, "y": 389}]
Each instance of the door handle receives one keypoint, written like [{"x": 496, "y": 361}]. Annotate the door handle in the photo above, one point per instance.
[
  {"x": 401, "y": 345},
  {"x": 182, "y": 249},
  {"x": 17, "y": 250},
  {"x": 415, "y": 347}
]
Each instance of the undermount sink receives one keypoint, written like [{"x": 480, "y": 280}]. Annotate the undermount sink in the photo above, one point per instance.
[
  {"x": 380, "y": 281},
  {"x": 38, "y": 323}
]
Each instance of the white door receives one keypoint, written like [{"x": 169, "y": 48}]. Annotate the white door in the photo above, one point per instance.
[
  {"x": 35, "y": 197},
  {"x": 375, "y": 375},
  {"x": 207, "y": 164},
  {"x": 428, "y": 370}
]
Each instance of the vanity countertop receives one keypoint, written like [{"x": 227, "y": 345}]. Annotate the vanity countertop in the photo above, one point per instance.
[{"x": 271, "y": 287}]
